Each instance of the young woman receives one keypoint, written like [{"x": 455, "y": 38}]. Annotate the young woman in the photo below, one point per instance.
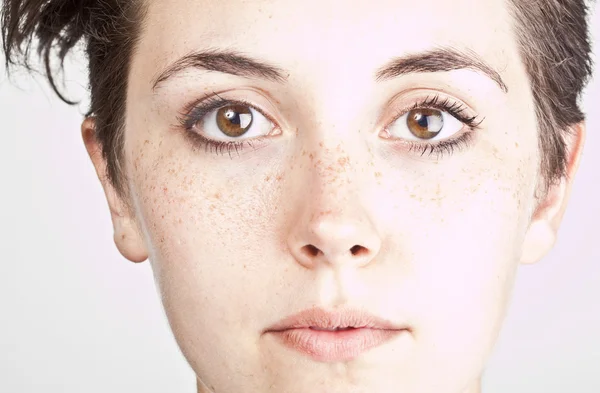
[{"x": 334, "y": 196}]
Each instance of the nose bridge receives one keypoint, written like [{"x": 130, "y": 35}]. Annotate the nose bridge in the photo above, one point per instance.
[
  {"x": 333, "y": 225},
  {"x": 332, "y": 164},
  {"x": 333, "y": 172}
]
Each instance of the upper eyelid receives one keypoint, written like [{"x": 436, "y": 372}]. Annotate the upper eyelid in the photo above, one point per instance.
[{"x": 188, "y": 113}]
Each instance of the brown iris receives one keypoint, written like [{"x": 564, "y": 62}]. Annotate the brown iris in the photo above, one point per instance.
[
  {"x": 425, "y": 123},
  {"x": 234, "y": 120}
]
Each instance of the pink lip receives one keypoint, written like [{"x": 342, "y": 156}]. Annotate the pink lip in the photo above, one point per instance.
[{"x": 298, "y": 332}]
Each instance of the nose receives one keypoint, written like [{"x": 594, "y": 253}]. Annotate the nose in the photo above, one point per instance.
[{"x": 333, "y": 225}]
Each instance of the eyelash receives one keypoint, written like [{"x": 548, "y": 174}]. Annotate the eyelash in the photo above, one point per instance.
[{"x": 197, "y": 110}]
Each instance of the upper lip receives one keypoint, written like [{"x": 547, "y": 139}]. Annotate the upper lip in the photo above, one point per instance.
[{"x": 323, "y": 319}]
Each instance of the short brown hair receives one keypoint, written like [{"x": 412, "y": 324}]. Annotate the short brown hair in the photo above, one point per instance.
[{"x": 553, "y": 37}]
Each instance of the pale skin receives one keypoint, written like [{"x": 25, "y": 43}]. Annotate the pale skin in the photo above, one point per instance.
[{"x": 441, "y": 238}]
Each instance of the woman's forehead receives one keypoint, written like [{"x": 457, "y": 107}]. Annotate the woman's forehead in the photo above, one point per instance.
[{"x": 315, "y": 34}]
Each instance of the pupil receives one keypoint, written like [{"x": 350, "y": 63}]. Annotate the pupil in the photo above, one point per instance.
[
  {"x": 233, "y": 117},
  {"x": 422, "y": 121}
]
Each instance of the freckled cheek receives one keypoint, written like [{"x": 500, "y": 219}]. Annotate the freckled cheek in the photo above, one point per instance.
[
  {"x": 208, "y": 240},
  {"x": 191, "y": 215},
  {"x": 165, "y": 193}
]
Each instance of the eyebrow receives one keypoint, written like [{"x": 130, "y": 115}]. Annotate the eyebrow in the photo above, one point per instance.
[
  {"x": 225, "y": 61},
  {"x": 439, "y": 60},
  {"x": 233, "y": 62}
]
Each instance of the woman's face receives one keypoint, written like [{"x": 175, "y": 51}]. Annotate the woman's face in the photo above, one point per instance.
[{"x": 333, "y": 198}]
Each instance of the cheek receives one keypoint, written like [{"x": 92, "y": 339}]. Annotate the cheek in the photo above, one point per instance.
[
  {"x": 208, "y": 235},
  {"x": 466, "y": 251}
]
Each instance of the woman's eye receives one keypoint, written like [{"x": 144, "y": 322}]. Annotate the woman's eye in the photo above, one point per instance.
[
  {"x": 235, "y": 120},
  {"x": 423, "y": 124}
]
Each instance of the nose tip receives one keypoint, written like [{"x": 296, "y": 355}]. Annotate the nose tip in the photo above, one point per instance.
[{"x": 338, "y": 244}]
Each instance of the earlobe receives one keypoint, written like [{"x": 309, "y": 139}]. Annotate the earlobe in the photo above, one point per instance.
[
  {"x": 127, "y": 236},
  {"x": 543, "y": 230},
  {"x": 539, "y": 240},
  {"x": 129, "y": 241}
]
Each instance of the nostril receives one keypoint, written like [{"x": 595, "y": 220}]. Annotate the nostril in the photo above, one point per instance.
[
  {"x": 358, "y": 250},
  {"x": 311, "y": 250}
]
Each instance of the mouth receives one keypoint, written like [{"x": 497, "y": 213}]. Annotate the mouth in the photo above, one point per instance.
[{"x": 335, "y": 336}]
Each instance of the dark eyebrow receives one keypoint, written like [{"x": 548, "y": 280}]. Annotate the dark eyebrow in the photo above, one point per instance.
[
  {"x": 235, "y": 63},
  {"x": 438, "y": 60},
  {"x": 226, "y": 61}
]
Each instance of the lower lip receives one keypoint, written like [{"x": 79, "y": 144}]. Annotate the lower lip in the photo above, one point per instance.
[{"x": 335, "y": 346}]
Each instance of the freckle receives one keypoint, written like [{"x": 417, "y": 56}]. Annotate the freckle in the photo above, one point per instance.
[
  {"x": 321, "y": 144},
  {"x": 267, "y": 178},
  {"x": 516, "y": 144},
  {"x": 310, "y": 156},
  {"x": 218, "y": 195},
  {"x": 377, "y": 174},
  {"x": 123, "y": 237},
  {"x": 160, "y": 144}
]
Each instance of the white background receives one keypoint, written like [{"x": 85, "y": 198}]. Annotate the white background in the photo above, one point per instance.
[{"x": 75, "y": 316}]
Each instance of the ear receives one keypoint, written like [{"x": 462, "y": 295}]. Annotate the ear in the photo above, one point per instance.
[
  {"x": 543, "y": 230},
  {"x": 127, "y": 235}
]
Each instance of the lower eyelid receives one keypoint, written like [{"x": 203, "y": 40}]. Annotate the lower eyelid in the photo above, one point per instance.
[{"x": 445, "y": 147}]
